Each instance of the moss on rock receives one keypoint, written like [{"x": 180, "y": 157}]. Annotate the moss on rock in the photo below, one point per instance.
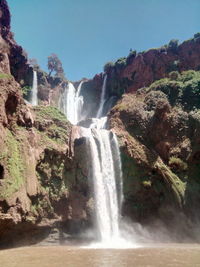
[{"x": 11, "y": 158}]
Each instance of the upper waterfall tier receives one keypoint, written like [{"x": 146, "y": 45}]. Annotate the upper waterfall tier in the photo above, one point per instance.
[
  {"x": 103, "y": 98},
  {"x": 34, "y": 93},
  {"x": 71, "y": 103}
]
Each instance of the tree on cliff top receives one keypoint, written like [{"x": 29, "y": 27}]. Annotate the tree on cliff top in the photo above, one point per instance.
[{"x": 54, "y": 64}]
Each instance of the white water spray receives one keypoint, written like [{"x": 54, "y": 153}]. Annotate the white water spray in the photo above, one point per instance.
[
  {"x": 99, "y": 123},
  {"x": 78, "y": 103},
  {"x": 106, "y": 177},
  {"x": 103, "y": 98},
  {"x": 104, "y": 187},
  {"x": 102, "y": 145},
  {"x": 34, "y": 93},
  {"x": 71, "y": 103}
]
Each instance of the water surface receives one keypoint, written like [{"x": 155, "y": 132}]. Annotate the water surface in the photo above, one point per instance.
[{"x": 61, "y": 256}]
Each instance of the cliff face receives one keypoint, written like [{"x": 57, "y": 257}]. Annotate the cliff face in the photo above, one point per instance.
[
  {"x": 43, "y": 180},
  {"x": 41, "y": 184},
  {"x": 158, "y": 129},
  {"x": 136, "y": 71},
  {"x": 13, "y": 58},
  {"x": 51, "y": 89},
  {"x": 142, "y": 69}
]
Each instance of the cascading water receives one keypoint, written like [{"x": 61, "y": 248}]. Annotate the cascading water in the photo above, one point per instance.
[
  {"x": 99, "y": 123},
  {"x": 105, "y": 173},
  {"x": 71, "y": 103},
  {"x": 105, "y": 190},
  {"x": 103, "y": 98},
  {"x": 34, "y": 98},
  {"x": 69, "y": 107},
  {"x": 106, "y": 176},
  {"x": 78, "y": 103}
]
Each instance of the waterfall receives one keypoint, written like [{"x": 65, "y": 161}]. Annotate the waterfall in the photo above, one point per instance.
[
  {"x": 71, "y": 103},
  {"x": 78, "y": 103},
  {"x": 34, "y": 98},
  {"x": 99, "y": 123},
  {"x": 105, "y": 172},
  {"x": 118, "y": 171},
  {"x": 106, "y": 176},
  {"x": 103, "y": 98}
]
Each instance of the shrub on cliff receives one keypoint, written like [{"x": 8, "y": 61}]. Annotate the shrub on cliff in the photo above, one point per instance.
[
  {"x": 26, "y": 90},
  {"x": 120, "y": 63},
  {"x": 173, "y": 89},
  {"x": 191, "y": 95},
  {"x": 174, "y": 75},
  {"x": 180, "y": 89},
  {"x": 152, "y": 98},
  {"x": 173, "y": 45},
  {"x": 108, "y": 66},
  {"x": 189, "y": 75},
  {"x": 197, "y": 35},
  {"x": 131, "y": 56}
]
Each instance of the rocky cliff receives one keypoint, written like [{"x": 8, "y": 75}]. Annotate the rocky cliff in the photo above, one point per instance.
[
  {"x": 158, "y": 129},
  {"x": 139, "y": 70},
  {"x": 41, "y": 185},
  {"x": 43, "y": 178}
]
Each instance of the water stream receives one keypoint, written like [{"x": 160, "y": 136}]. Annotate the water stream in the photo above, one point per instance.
[
  {"x": 103, "y": 98},
  {"x": 71, "y": 102},
  {"x": 34, "y": 93},
  {"x": 103, "y": 150},
  {"x": 78, "y": 103},
  {"x": 104, "y": 157}
]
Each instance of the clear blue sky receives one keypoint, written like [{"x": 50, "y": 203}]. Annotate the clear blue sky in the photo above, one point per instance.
[{"x": 85, "y": 34}]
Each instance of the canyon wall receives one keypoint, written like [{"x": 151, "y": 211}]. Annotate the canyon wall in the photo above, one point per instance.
[{"x": 43, "y": 178}]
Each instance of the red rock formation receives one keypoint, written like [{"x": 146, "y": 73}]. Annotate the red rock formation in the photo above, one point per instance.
[
  {"x": 34, "y": 156},
  {"x": 155, "y": 64},
  {"x": 18, "y": 62}
]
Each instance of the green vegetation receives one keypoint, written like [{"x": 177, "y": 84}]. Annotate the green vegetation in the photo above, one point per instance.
[
  {"x": 26, "y": 90},
  {"x": 120, "y": 63},
  {"x": 15, "y": 166},
  {"x": 173, "y": 44},
  {"x": 174, "y": 75},
  {"x": 108, "y": 66},
  {"x": 131, "y": 56},
  {"x": 52, "y": 125},
  {"x": 49, "y": 112},
  {"x": 42, "y": 208},
  {"x": 58, "y": 134},
  {"x": 177, "y": 164},
  {"x": 181, "y": 89},
  {"x": 5, "y": 76},
  {"x": 197, "y": 35}
]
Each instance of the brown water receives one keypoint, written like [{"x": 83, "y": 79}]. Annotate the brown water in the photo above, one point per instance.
[{"x": 160, "y": 256}]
